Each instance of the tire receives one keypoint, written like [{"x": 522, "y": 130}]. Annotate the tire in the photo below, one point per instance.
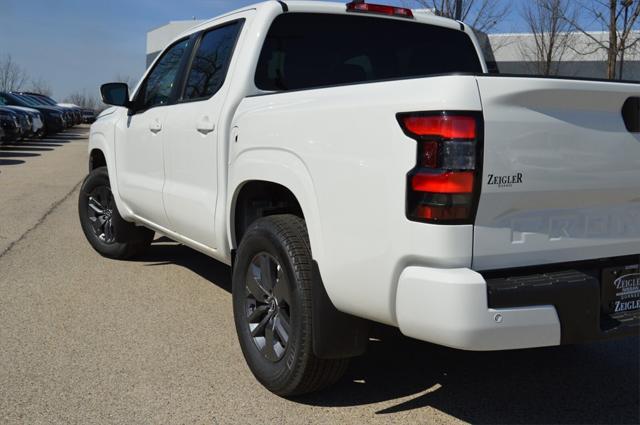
[
  {"x": 107, "y": 232},
  {"x": 273, "y": 276}
]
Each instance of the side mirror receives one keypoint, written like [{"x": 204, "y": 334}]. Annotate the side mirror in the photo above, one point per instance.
[{"x": 116, "y": 94}]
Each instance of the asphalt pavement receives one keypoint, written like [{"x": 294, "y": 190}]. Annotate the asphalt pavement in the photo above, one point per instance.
[{"x": 86, "y": 340}]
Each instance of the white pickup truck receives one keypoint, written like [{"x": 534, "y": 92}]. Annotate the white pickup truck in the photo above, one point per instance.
[{"x": 357, "y": 163}]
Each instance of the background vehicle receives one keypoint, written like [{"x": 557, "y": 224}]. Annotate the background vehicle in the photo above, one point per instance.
[
  {"x": 72, "y": 113},
  {"x": 351, "y": 176},
  {"x": 35, "y": 100},
  {"x": 53, "y": 120},
  {"x": 76, "y": 110},
  {"x": 34, "y": 118},
  {"x": 25, "y": 122},
  {"x": 10, "y": 126},
  {"x": 88, "y": 116}
]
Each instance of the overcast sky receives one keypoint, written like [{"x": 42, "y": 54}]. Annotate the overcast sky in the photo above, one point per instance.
[{"x": 79, "y": 44}]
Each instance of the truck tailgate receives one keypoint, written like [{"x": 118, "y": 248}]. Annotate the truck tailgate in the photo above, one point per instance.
[{"x": 561, "y": 173}]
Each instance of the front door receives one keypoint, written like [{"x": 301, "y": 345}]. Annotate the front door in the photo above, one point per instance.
[{"x": 139, "y": 152}]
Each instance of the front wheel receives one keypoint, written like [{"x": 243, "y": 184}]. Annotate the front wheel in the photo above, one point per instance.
[
  {"x": 272, "y": 307},
  {"x": 101, "y": 223}
]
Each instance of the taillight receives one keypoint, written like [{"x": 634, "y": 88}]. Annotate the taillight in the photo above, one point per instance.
[
  {"x": 361, "y": 6},
  {"x": 444, "y": 185}
]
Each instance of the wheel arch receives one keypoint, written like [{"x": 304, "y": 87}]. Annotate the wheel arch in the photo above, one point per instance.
[
  {"x": 97, "y": 159},
  {"x": 335, "y": 334},
  {"x": 275, "y": 169},
  {"x": 102, "y": 154}
]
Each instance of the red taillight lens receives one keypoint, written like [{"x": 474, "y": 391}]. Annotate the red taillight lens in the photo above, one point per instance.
[
  {"x": 361, "y": 6},
  {"x": 443, "y": 126},
  {"x": 447, "y": 182},
  {"x": 441, "y": 188}
]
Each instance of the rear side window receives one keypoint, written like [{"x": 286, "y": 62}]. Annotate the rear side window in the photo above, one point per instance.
[
  {"x": 210, "y": 63},
  {"x": 306, "y": 50}
]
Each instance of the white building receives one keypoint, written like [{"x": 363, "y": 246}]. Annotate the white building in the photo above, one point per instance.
[
  {"x": 159, "y": 38},
  {"x": 514, "y": 53}
]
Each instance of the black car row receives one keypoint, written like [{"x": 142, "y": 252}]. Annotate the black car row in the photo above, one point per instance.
[{"x": 31, "y": 115}]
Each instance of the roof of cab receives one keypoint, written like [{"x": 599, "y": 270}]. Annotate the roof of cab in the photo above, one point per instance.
[{"x": 312, "y": 6}]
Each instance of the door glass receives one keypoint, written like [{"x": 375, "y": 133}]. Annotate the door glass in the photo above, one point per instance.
[
  {"x": 211, "y": 61},
  {"x": 159, "y": 83}
]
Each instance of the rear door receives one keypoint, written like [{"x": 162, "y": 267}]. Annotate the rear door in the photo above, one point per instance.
[
  {"x": 561, "y": 173},
  {"x": 192, "y": 133}
]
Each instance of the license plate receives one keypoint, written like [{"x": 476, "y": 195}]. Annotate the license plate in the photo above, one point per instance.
[{"x": 621, "y": 289}]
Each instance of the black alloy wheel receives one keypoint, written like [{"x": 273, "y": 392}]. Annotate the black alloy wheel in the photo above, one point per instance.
[
  {"x": 268, "y": 309},
  {"x": 100, "y": 213},
  {"x": 272, "y": 307},
  {"x": 107, "y": 232}
]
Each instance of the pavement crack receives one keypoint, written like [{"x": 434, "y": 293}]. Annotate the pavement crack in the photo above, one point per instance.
[{"x": 37, "y": 224}]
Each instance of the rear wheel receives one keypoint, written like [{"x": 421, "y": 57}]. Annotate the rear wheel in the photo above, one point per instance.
[
  {"x": 272, "y": 308},
  {"x": 101, "y": 223}
]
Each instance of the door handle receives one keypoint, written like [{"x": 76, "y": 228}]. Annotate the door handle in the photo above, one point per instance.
[
  {"x": 205, "y": 125},
  {"x": 155, "y": 126}
]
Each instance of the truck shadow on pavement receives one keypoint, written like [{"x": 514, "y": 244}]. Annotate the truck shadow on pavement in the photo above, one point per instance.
[{"x": 591, "y": 383}]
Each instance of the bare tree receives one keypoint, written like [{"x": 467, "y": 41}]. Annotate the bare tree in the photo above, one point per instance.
[
  {"x": 12, "y": 76},
  {"x": 617, "y": 18},
  {"x": 84, "y": 100},
  {"x": 40, "y": 86},
  {"x": 482, "y": 15},
  {"x": 551, "y": 34}
]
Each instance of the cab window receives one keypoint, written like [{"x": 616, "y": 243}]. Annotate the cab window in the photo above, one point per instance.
[
  {"x": 210, "y": 62},
  {"x": 159, "y": 84}
]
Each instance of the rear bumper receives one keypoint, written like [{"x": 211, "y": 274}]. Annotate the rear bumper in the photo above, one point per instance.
[{"x": 460, "y": 308}]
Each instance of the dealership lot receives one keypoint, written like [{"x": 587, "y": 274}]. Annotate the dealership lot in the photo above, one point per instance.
[{"x": 89, "y": 340}]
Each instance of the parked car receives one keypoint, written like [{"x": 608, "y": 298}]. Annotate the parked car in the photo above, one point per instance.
[
  {"x": 34, "y": 116},
  {"x": 53, "y": 119},
  {"x": 357, "y": 164},
  {"x": 25, "y": 123},
  {"x": 67, "y": 113},
  {"x": 11, "y": 130},
  {"x": 88, "y": 116},
  {"x": 36, "y": 120},
  {"x": 77, "y": 112},
  {"x": 72, "y": 113}
]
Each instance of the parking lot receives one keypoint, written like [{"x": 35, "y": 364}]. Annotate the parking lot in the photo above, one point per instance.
[{"x": 90, "y": 340}]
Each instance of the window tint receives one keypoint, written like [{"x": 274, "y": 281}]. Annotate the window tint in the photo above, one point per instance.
[
  {"x": 311, "y": 50},
  {"x": 26, "y": 101},
  {"x": 159, "y": 83},
  {"x": 210, "y": 62},
  {"x": 35, "y": 100}
]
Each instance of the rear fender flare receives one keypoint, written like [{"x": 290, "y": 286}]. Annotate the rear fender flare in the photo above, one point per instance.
[{"x": 286, "y": 169}]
